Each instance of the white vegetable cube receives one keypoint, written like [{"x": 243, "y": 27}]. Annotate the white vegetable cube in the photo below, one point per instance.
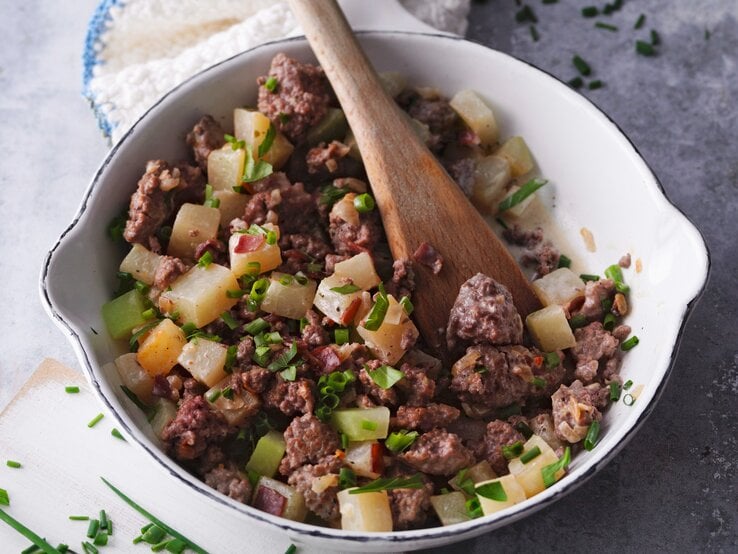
[
  {"x": 518, "y": 209},
  {"x": 558, "y": 287},
  {"x": 279, "y": 499},
  {"x": 491, "y": 176},
  {"x": 141, "y": 263},
  {"x": 450, "y": 508},
  {"x": 200, "y": 294},
  {"x": 365, "y": 458},
  {"x": 515, "y": 151},
  {"x": 134, "y": 377},
  {"x": 286, "y": 297},
  {"x": 360, "y": 269},
  {"x": 344, "y": 209},
  {"x": 513, "y": 493},
  {"x": 369, "y": 511},
  {"x": 386, "y": 343},
  {"x": 225, "y": 168},
  {"x": 252, "y": 127},
  {"x": 362, "y": 424},
  {"x": 529, "y": 474},
  {"x": 337, "y": 306},
  {"x": 246, "y": 250},
  {"x": 231, "y": 205},
  {"x": 159, "y": 351},
  {"x": 205, "y": 360},
  {"x": 477, "y": 473},
  {"x": 550, "y": 328},
  {"x": 235, "y": 407},
  {"x": 193, "y": 225},
  {"x": 476, "y": 114},
  {"x": 164, "y": 412}
]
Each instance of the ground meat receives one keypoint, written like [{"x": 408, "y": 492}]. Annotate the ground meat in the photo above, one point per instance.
[
  {"x": 596, "y": 349},
  {"x": 527, "y": 239},
  {"x": 418, "y": 386},
  {"x": 324, "y": 504},
  {"x": 326, "y": 156},
  {"x": 496, "y": 377},
  {"x": 621, "y": 332},
  {"x": 256, "y": 379},
  {"x": 438, "y": 452},
  {"x": 498, "y": 434},
  {"x": 425, "y": 418},
  {"x": 594, "y": 293},
  {"x": 167, "y": 271},
  {"x": 410, "y": 507},
  {"x": 575, "y": 407},
  {"x": 300, "y": 99},
  {"x": 378, "y": 395},
  {"x": 231, "y": 482},
  {"x": 216, "y": 248},
  {"x": 291, "y": 397},
  {"x": 545, "y": 258},
  {"x": 191, "y": 388},
  {"x": 307, "y": 442},
  {"x": 484, "y": 313},
  {"x": 403, "y": 279},
  {"x": 428, "y": 256},
  {"x": 462, "y": 171},
  {"x": 313, "y": 333},
  {"x": 244, "y": 352},
  {"x": 193, "y": 429},
  {"x": 160, "y": 193},
  {"x": 624, "y": 261},
  {"x": 207, "y": 135},
  {"x": 350, "y": 239},
  {"x": 435, "y": 112}
]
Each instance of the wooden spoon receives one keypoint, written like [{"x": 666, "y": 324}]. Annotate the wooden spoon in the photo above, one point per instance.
[{"x": 417, "y": 199}]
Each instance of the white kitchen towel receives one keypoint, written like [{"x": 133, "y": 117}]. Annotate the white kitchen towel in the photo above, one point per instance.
[{"x": 138, "y": 50}]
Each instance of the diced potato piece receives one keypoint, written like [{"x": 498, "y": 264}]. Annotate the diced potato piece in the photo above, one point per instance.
[
  {"x": 165, "y": 412},
  {"x": 550, "y": 328},
  {"x": 332, "y": 127},
  {"x": 124, "y": 313},
  {"x": 252, "y": 127},
  {"x": 159, "y": 351},
  {"x": 393, "y": 82},
  {"x": 518, "y": 209},
  {"x": 515, "y": 151},
  {"x": 476, "y": 114},
  {"x": 386, "y": 342},
  {"x": 529, "y": 475},
  {"x": 491, "y": 176},
  {"x": 134, "y": 377},
  {"x": 200, "y": 294},
  {"x": 268, "y": 256},
  {"x": 291, "y": 300},
  {"x": 336, "y": 306},
  {"x": 205, "y": 360},
  {"x": 514, "y": 492},
  {"x": 360, "y": 269},
  {"x": 558, "y": 287},
  {"x": 268, "y": 454},
  {"x": 365, "y": 458},
  {"x": 232, "y": 205},
  {"x": 279, "y": 499},
  {"x": 225, "y": 168},
  {"x": 141, "y": 263},
  {"x": 451, "y": 507},
  {"x": 362, "y": 424},
  {"x": 193, "y": 225},
  {"x": 369, "y": 511}
]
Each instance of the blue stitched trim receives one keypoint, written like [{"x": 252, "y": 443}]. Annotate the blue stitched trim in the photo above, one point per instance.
[{"x": 93, "y": 45}]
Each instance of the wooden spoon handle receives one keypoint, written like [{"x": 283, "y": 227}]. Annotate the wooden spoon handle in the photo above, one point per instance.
[{"x": 417, "y": 199}]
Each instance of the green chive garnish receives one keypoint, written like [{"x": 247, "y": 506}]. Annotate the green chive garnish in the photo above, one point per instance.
[
  {"x": 493, "y": 491},
  {"x": 348, "y": 288},
  {"x": 390, "y": 483},
  {"x": 534, "y": 33},
  {"x": 575, "y": 83},
  {"x": 606, "y": 26},
  {"x": 513, "y": 450},
  {"x": 89, "y": 548},
  {"x": 629, "y": 399},
  {"x": 368, "y": 425},
  {"x": 4, "y": 498},
  {"x": 590, "y": 441},
  {"x": 552, "y": 359},
  {"x": 364, "y": 203},
  {"x": 229, "y": 320},
  {"x": 79, "y": 518},
  {"x": 538, "y": 382},
  {"x": 104, "y": 521},
  {"x": 117, "y": 434},
  {"x": 291, "y": 549},
  {"x": 530, "y": 455},
  {"x": 609, "y": 322},
  {"x": 13, "y": 464},
  {"x": 26, "y": 532},
  {"x": 523, "y": 428},
  {"x": 577, "y": 321},
  {"x": 94, "y": 421},
  {"x": 645, "y": 48},
  {"x": 205, "y": 260},
  {"x": 582, "y": 66},
  {"x": 640, "y": 21},
  {"x": 407, "y": 305},
  {"x": 473, "y": 508},
  {"x": 564, "y": 261},
  {"x": 590, "y": 11},
  {"x": 71, "y": 390},
  {"x": 93, "y": 528},
  {"x": 341, "y": 336},
  {"x": 627, "y": 384},
  {"x": 615, "y": 391},
  {"x": 594, "y": 85},
  {"x": 630, "y": 343},
  {"x": 256, "y": 326},
  {"x": 549, "y": 472},
  {"x": 400, "y": 441},
  {"x": 521, "y": 194},
  {"x": 101, "y": 539},
  {"x": 655, "y": 38},
  {"x": 588, "y": 277},
  {"x": 271, "y": 83}
]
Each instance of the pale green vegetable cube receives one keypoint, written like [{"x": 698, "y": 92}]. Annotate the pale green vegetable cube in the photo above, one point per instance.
[
  {"x": 550, "y": 328},
  {"x": 123, "y": 314},
  {"x": 558, "y": 287},
  {"x": 362, "y": 424},
  {"x": 193, "y": 225},
  {"x": 268, "y": 454},
  {"x": 450, "y": 508}
]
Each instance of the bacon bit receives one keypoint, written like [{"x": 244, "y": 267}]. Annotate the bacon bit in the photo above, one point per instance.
[
  {"x": 377, "y": 457},
  {"x": 249, "y": 243},
  {"x": 429, "y": 257},
  {"x": 350, "y": 313},
  {"x": 538, "y": 361},
  {"x": 270, "y": 501},
  {"x": 327, "y": 358},
  {"x": 589, "y": 240},
  {"x": 340, "y": 454}
]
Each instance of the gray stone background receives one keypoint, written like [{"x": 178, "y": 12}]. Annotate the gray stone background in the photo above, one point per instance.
[{"x": 673, "y": 488}]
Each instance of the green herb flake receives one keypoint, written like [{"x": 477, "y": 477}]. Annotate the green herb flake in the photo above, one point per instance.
[
  {"x": 271, "y": 83},
  {"x": 615, "y": 391},
  {"x": 346, "y": 289},
  {"x": 513, "y": 450},
  {"x": 589, "y": 277},
  {"x": 575, "y": 83},
  {"x": 594, "y": 85},
  {"x": 632, "y": 342},
  {"x": 564, "y": 261},
  {"x": 590, "y": 11},
  {"x": 593, "y": 433},
  {"x": 266, "y": 144},
  {"x": 645, "y": 48},
  {"x": 606, "y": 26},
  {"x": 582, "y": 66},
  {"x": 549, "y": 472},
  {"x": 385, "y": 376},
  {"x": 473, "y": 508},
  {"x": 284, "y": 359},
  {"x": 255, "y": 170},
  {"x": 205, "y": 260},
  {"x": 521, "y": 194},
  {"x": 289, "y": 374},
  {"x": 95, "y": 420},
  {"x": 493, "y": 491},
  {"x": 391, "y": 483},
  {"x": 346, "y": 478},
  {"x": 4, "y": 498},
  {"x": 531, "y": 454},
  {"x": 400, "y": 441},
  {"x": 640, "y": 21},
  {"x": 117, "y": 434}
]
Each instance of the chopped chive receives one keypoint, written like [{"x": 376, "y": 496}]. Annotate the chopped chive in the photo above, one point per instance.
[
  {"x": 552, "y": 359},
  {"x": 341, "y": 336},
  {"x": 348, "y": 288},
  {"x": 627, "y": 384},
  {"x": 368, "y": 425},
  {"x": 629, "y": 399},
  {"x": 577, "y": 321},
  {"x": 344, "y": 441},
  {"x": 291, "y": 549},
  {"x": 13, "y": 464},
  {"x": 549, "y": 472},
  {"x": 493, "y": 491},
  {"x": 149, "y": 314},
  {"x": 582, "y": 66},
  {"x": 513, "y": 450},
  {"x": 104, "y": 521},
  {"x": 534, "y": 33},
  {"x": 550, "y": 1},
  {"x": 158, "y": 547},
  {"x": 117, "y": 434},
  {"x": 590, "y": 11},
  {"x": 407, "y": 305},
  {"x": 640, "y": 21},
  {"x": 379, "y": 310},
  {"x": 526, "y": 14},
  {"x": 473, "y": 508},
  {"x": 575, "y": 83},
  {"x": 630, "y": 343},
  {"x": 101, "y": 539},
  {"x": 79, "y": 518},
  {"x": 205, "y": 260},
  {"x": 538, "y": 382},
  {"x": 364, "y": 203},
  {"x": 175, "y": 546},
  {"x": 154, "y": 534},
  {"x": 95, "y": 420},
  {"x": 655, "y": 38},
  {"x": 606, "y": 26},
  {"x": 523, "y": 428},
  {"x": 89, "y": 548},
  {"x": 530, "y": 455},
  {"x": 110, "y": 527},
  {"x": 71, "y": 390},
  {"x": 501, "y": 223},
  {"x": 606, "y": 304},
  {"x": 93, "y": 528},
  {"x": 271, "y": 83},
  {"x": 590, "y": 441},
  {"x": 213, "y": 396},
  {"x": 609, "y": 322},
  {"x": 645, "y": 48},
  {"x": 615, "y": 391},
  {"x": 400, "y": 441},
  {"x": 391, "y": 483},
  {"x": 564, "y": 261},
  {"x": 229, "y": 320},
  {"x": 346, "y": 478},
  {"x": 594, "y": 85},
  {"x": 256, "y": 326},
  {"x": 521, "y": 194},
  {"x": 589, "y": 277},
  {"x": 707, "y": 34}
]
